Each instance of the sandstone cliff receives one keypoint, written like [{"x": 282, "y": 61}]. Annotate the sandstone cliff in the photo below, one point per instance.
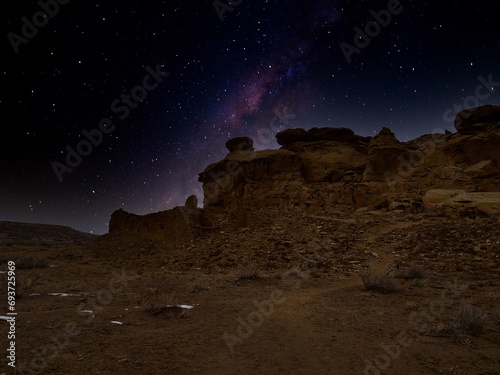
[
  {"x": 329, "y": 169},
  {"x": 305, "y": 203},
  {"x": 333, "y": 170}
]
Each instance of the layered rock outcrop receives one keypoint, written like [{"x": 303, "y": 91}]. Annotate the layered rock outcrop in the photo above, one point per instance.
[
  {"x": 330, "y": 169},
  {"x": 173, "y": 227},
  {"x": 460, "y": 203},
  {"x": 470, "y": 120}
]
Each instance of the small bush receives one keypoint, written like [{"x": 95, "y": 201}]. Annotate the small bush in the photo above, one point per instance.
[
  {"x": 467, "y": 322},
  {"x": 416, "y": 272},
  {"x": 248, "y": 272},
  {"x": 382, "y": 283},
  {"x": 32, "y": 261}
]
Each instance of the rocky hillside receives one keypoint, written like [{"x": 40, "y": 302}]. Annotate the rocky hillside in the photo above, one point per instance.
[
  {"x": 13, "y": 233},
  {"x": 332, "y": 169}
]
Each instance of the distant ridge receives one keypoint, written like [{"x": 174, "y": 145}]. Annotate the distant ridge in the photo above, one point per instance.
[{"x": 14, "y": 233}]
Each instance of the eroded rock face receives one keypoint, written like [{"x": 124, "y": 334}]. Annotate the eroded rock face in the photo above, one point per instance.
[
  {"x": 243, "y": 176},
  {"x": 461, "y": 203},
  {"x": 385, "y": 154},
  {"x": 296, "y": 135},
  {"x": 191, "y": 202},
  {"x": 328, "y": 169},
  {"x": 477, "y": 119},
  {"x": 324, "y": 170},
  {"x": 174, "y": 226}
]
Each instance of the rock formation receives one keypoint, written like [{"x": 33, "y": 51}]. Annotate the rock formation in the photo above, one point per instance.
[
  {"x": 329, "y": 169},
  {"x": 468, "y": 121},
  {"x": 240, "y": 144},
  {"x": 174, "y": 227},
  {"x": 333, "y": 170}
]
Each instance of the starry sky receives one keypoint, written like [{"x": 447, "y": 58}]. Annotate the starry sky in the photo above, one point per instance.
[{"x": 149, "y": 93}]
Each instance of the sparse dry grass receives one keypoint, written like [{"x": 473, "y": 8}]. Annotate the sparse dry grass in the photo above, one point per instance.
[
  {"x": 468, "y": 321},
  {"x": 163, "y": 301},
  {"x": 380, "y": 283},
  {"x": 248, "y": 272}
]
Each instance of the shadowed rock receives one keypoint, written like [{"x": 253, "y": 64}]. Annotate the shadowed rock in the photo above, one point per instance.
[
  {"x": 289, "y": 136},
  {"x": 191, "y": 202},
  {"x": 240, "y": 144},
  {"x": 332, "y": 169},
  {"x": 467, "y": 121}
]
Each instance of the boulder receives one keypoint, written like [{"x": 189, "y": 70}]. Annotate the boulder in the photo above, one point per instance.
[
  {"x": 289, "y": 136},
  {"x": 191, "y": 202},
  {"x": 385, "y": 157},
  {"x": 240, "y": 144}
]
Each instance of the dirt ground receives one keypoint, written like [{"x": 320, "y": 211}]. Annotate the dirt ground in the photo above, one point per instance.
[{"x": 307, "y": 313}]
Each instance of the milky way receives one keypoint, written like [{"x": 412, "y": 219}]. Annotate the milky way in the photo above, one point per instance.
[{"x": 268, "y": 66}]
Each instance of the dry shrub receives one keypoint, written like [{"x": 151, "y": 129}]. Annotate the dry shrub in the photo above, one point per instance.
[
  {"x": 380, "y": 283},
  {"x": 163, "y": 301},
  {"x": 467, "y": 322},
  {"x": 248, "y": 272}
]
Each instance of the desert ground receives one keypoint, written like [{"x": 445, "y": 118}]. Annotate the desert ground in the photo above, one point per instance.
[{"x": 282, "y": 295}]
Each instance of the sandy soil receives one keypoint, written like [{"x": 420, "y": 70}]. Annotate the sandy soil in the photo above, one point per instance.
[{"x": 308, "y": 313}]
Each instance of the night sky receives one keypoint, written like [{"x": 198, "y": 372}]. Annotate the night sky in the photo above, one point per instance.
[{"x": 169, "y": 82}]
